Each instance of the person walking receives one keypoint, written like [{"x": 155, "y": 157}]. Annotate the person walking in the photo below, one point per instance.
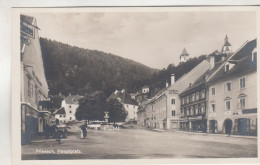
[{"x": 83, "y": 130}]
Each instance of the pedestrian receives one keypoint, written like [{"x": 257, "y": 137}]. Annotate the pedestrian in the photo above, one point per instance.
[
  {"x": 47, "y": 131},
  {"x": 83, "y": 130}
]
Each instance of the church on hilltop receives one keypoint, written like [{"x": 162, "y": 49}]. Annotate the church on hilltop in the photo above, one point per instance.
[{"x": 184, "y": 56}]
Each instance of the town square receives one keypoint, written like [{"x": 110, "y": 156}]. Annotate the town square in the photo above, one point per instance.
[{"x": 137, "y": 85}]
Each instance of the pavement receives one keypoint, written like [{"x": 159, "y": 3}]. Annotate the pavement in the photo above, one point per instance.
[{"x": 141, "y": 144}]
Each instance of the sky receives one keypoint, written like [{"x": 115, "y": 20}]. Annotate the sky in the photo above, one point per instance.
[{"x": 155, "y": 39}]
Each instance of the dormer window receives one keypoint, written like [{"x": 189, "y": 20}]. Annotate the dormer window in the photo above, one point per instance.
[
  {"x": 227, "y": 68},
  {"x": 254, "y": 55}
]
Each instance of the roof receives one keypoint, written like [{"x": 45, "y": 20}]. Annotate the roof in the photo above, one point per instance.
[
  {"x": 184, "y": 52},
  {"x": 227, "y": 43},
  {"x": 246, "y": 50},
  {"x": 123, "y": 97},
  {"x": 72, "y": 99},
  {"x": 145, "y": 87},
  {"x": 183, "y": 83},
  {"x": 201, "y": 81},
  {"x": 242, "y": 66},
  {"x": 26, "y": 18},
  {"x": 60, "y": 111}
]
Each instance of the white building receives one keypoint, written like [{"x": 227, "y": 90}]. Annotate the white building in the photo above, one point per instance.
[
  {"x": 60, "y": 114},
  {"x": 130, "y": 105},
  {"x": 70, "y": 104}
]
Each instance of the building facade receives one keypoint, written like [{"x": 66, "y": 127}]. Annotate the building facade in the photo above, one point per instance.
[
  {"x": 130, "y": 105},
  {"x": 233, "y": 94},
  {"x": 162, "y": 111},
  {"x": 70, "y": 104},
  {"x": 194, "y": 100},
  {"x": 34, "y": 87}
]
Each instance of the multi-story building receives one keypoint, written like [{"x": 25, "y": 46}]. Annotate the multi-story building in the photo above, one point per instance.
[
  {"x": 162, "y": 111},
  {"x": 194, "y": 99},
  {"x": 130, "y": 105},
  {"x": 70, "y": 104},
  {"x": 233, "y": 94},
  {"x": 34, "y": 87}
]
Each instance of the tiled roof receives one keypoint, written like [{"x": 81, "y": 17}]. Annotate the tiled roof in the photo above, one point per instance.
[
  {"x": 123, "y": 97},
  {"x": 60, "y": 111},
  {"x": 72, "y": 99},
  {"x": 243, "y": 64},
  {"x": 246, "y": 50}
]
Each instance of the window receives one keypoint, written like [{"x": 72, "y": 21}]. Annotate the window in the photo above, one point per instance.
[
  {"x": 70, "y": 111},
  {"x": 70, "y": 106},
  {"x": 227, "y": 105},
  {"x": 242, "y": 102},
  {"x": 197, "y": 96},
  {"x": 227, "y": 68},
  {"x": 203, "y": 94},
  {"x": 173, "y": 101},
  {"x": 60, "y": 115},
  {"x": 213, "y": 107},
  {"x": 70, "y": 118},
  {"x": 213, "y": 91},
  {"x": 227, "y": 86},
  {"x": 242, "y": 82},
  {"x": 173, "y": 113}
]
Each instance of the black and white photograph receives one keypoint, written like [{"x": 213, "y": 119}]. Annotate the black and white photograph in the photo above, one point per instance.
[{"x": 135, "y": 83}]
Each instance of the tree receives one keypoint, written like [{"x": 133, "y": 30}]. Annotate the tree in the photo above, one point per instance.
[
  {"x": 117, "y": 112},
  {"x": 92, "y": 106},
  {"x": 56, "y": 101}
]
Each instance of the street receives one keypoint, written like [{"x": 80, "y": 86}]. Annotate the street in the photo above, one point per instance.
[{"x": 141, "y": 144}]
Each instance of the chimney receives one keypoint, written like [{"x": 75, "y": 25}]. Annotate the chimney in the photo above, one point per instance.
[
  {"x": 69, "y": 94},
  {"x": 212, "y": 61},
  {"x": 116, "y": 91},
  {"x": 167, "y": 84},
  {"x": 191, "y": 83},
  {"x": 172, "y": 79}
]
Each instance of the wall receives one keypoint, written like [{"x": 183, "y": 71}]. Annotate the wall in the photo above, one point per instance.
[
  {"x": 220, "y": 114},
  {"x": 132, "y": 111}
]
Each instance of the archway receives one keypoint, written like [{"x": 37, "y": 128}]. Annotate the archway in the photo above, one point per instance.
[{"x": 228, "y": 126}]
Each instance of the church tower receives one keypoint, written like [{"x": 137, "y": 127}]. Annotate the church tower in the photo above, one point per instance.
[
  {"x": 226, "y": 47},
  {"x": 184, "y": 56}
]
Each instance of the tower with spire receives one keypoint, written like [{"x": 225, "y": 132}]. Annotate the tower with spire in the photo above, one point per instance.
[
  {"x": 184, "y": 56},
  {"x": 226, "y": 48}
]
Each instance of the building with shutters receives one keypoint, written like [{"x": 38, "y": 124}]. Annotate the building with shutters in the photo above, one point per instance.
[{"x": 233, "y": 94}]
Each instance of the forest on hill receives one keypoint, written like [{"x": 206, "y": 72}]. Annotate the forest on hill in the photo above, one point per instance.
[{"x": 74, "y": 70}]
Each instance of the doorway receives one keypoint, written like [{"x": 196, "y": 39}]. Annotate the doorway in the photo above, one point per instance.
[{"x": 228, "y": 126}]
